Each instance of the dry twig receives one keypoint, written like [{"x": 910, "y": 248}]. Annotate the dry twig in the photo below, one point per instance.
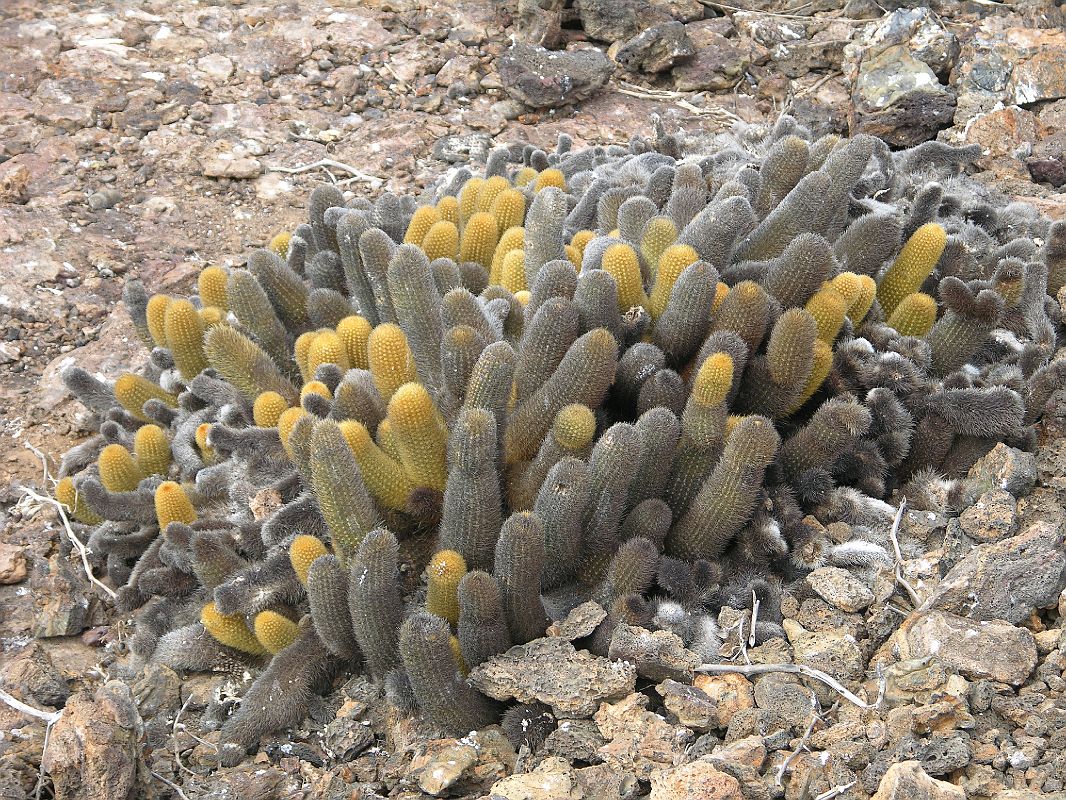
[
  {"x": 747, "y": 670},
  {"x": 893, "y": 534},
  {"x": 326, "y": 164},
  {"x": 802, "y": 742}
]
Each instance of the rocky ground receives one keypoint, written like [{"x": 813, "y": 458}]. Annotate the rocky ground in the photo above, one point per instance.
[{"x": 154, "y": 138}]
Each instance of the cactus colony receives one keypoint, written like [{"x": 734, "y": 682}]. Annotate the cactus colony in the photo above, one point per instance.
[{"x": 605, "y": 373}]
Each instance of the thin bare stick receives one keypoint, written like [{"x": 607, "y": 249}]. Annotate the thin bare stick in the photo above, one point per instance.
[
  {"x": 836, "y": 791},
  {"x": 50, "y": 717},
  {"x": 40, "y": 772},
  {"x": 172, "y": 785},
  {"x": 754, "y": 617},
  {"x": 802, "y": 742},
  {"x": 327, "y": 163},
  {"x": 893, "y": 534},
  {"x": 777, "y": 15},
  {"x": 748, "y": 670}
]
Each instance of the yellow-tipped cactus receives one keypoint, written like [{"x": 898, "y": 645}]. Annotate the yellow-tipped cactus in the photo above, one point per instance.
[
  {"x": 173, "y": 505},
  {"x": 512, "y": 239},
  {"x": 389, "y": 358},
  {"x": 383, "y": 475},
  {"x": 659, "y": 234},
  {"x": 714, "y": 380},
  {"x": 621, "y": 261},
  {"x": 914, "y": 316},
  {"x": 443, "y": 574},
  {"x": 274, "y": 631},
  {"x": 468, "y": 196},
  {"x": 720, "y": 291},
  {"x": 280, "y": 244},
  {"x": 448, "y": 207},
  {"x": 513, "y": 272},
  {"x": 821, "y": 363},
  {"x": 212, "y": 286},
  {"x": 524, "y": 176},
  {"x": 207, "y": 453},
  {"x": 491, "y": 189},
  {"x": 354, "y": 332},
  {"x": 118, "y": 471},
  {"x": 155, "y": 314},
  {"x": 302, "y": 554},
  {"x": 441, "y": 241},
  {"x": 326, "y": 348},
  {"x": 420, "y": 435},
  {"x": 316, "y": 387},
  {"x": 268, "y": 408},
  {"x": 386, "y": 440},
  {"x": 286, "y": 422},
  {"x": 185, "y": 337},
  {"x": 509, "y": 208},
  {"x": 210, "y": 316},
  {"x": 133, "y": 391},
  {"x": 863, "y": 302},
  {"x": 478, "y": 241},
  {"x": 828, "y": 307},
  {"x": 914, "y": 264},
  {"x": 421, "y": 221},
  {"x": 75, "y": 503},
  {"x": 152, "y": 449},
  {"x": 581, "y": 239},
  {"x": 522, "y": 297},
  {"x": 573, "y": 255},
  {"x": 574, "y": 426},
  {"x": 550, "y": 177},
  {"x": 672, "y": 263},
  {"x": 231, "y": 630}
]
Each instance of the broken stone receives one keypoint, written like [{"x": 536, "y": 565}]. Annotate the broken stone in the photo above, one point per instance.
[
  {"x": 347, "y": 735},
  {"x": 237, "y": 168},
  {"x": 575, "y": 740},
  {"x": 461, "y": 149},
  {"x": 548, "y": 79},
  {"x": 657, "y": 655},
  {"x": 1006, "y": 580},
  {"x": 994, "y": 516},
  {"x": 33, "y": 678},
  {"x": 749, "y": 751},
  {"x": 697, "y": 779},
  {"x": 656, "y": 49},
  {"x": 719, "y": 62},
  {"x": 907, "y": 781},
  {"x": 1047, "y": 163},
  {"x": 840, "y": 588},
  {"x": 12, "y": 564},
  {"x": 580, "y": 622},
  {"x": 441, "y": 767},
  {"x": 988, "y": 649},
  {"x": 639, "y": 740},
  {"x": 1006, "y": 137},
  {"x": 94, "y": 752},
  {"x": 834, "y": 652},
  {"x": 1006, "y": 468},
  {"x": 63, "y": 600},
  {"x": 692, "y": 707},
  {"x": 551, "y": 671},
  {"x": 730, "y": 692},
  {"x": 540, "y": 22},
  {"x": 553, "y": 778},
  {"x": 158, "y": 688},
  {"x": 787, "y": 699},
  {"x": 615, "y": 20}
]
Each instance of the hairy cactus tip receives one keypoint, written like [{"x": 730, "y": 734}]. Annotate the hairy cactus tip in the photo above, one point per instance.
[{"x": 614, "y": 373}]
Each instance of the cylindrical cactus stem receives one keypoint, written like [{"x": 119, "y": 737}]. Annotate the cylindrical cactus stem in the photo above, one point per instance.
[
  {"x": 303, "y": 551},
  {"x": 231, "y": 630},
  {"x": 420, "y": 435},
  {"x": 338, "y": 486},
  {"x": 172, "y": 505},
  {"x": 518, "y": 568},
  {"x": 417, "y": 305},
  {"x": 482, "y": 626},
  {"x": 612, "y": 468},
  {"x": 152, "y": 449},
  {"x": 560, "y": 506},
  {"x": 571, "y": 435},
  {"x": 914, "y": 264},
  {"x": 328, "y": 593},
  {"x": 133, "y": 391},
  {"x": 470, "y": 520},
  {"x": 274, "y": 631},
  {"x": 443, "y": 574},
  {"x": 374, "y": 601},
  {"x": 185, "y": 338}
]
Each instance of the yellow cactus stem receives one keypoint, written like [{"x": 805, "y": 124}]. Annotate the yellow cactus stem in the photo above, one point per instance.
[
  {"x": 849, "y": 285},
  {"x": 156, "y": 314},
  {"x": 720, "y": 291},
  {"x": 421, "y": 221},
  {"x": 468, "y": 200},
  {"x": 75, "y": 503},
  {"x": 211, "y": 316},
  {"x": 383, "y": 475},
  {"x": 354, "y": 331},
  {"x": 420, "y": 434},
  {"x": 274, "y": 631},
  {"x": 326, "y": 348},
  {"x": 828, "y": 307},
  {"x": 478, "y": 241},
  {"x": 118, "y": 471},
  {"x": 302, "y": 554},
  {"x": 390, "y": 361},
  {"x": 574, "y": 426},
  {"x": 211, "y": 284},
  {"x": 207, "y": 452},
  {"x": 286, "y": 422},
  {"x": 441, "y": 241},
  {"x": 573, "y": 255},
  {"x": 659, "y": 233},
  {"x": 173, "y": 505},
  {"x": 513, "y": 272},
  {"x": 133, "y": 391},
  {"x": 316, "y": 387},
  {"x": 443, "y": 574},
  {"x": 448, "y": 206},
  {"x": 386, "y": 439},
  {"x": 820, "y": 366},
  {"x": 914, "y": 316},
  {"x": 512, "y": 239},
  {"x": 862, "y": 304},
  {"x": 268, "y": 408},
  {"x": 731, "y": 423},
  {"x": 524, "y": 176},
  {"x": 621, "y": 261},
  {"x": 185, "y": 338},
  {"x": 714, "y": 380},
  {"x": 152, "y": 449},
  {"x": 509, "y": 208},
  {"x": 581, "y": 239},
  {"x": 672, "y": 263},
  {"x": 457, "y": 654},
  {"x": 615, "y": 234},
  {"x": 491, "y": 189},
  {"x": 912, "y": 266},
  {"x": 280, "y": 244},
  {"x": 301, "y": 348},
  {"x": 523, "y": 297},
  {"x": 231, "y": 630},
  {"x": 550, "y": 177}
]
